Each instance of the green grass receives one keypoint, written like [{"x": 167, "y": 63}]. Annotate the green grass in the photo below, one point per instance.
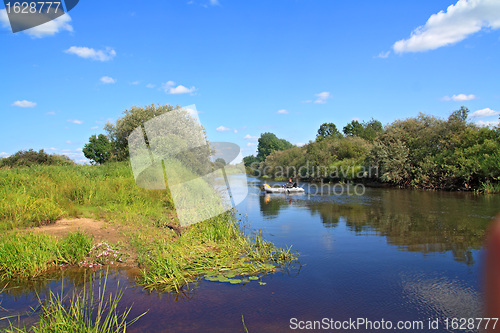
[
  {"x": 171, "y": 257},
  {"x": 27, "y": 255},
  {"x": 490, "y": 187},
  {"x": 85, "y": 311}
]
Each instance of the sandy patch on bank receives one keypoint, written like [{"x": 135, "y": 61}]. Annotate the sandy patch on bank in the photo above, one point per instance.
[{"x": 101, "y": 230}]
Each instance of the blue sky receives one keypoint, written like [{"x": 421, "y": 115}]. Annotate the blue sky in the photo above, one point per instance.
[{"x": 250, "y": 67}]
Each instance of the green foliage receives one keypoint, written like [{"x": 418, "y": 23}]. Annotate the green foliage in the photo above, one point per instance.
[
  {"x": 248, "y": 160},
  {"x": 433, "y": 153},
  {"x": 327, "y": 130},
  {"x": 269, "y": 142},
  {"x": 75, "y": 247},
  {"x": 118, "y": 133},
  {"x": 98, "y": 150},
  {"x": 32, "y": 158},
  {"x": 366, "y": 130}
]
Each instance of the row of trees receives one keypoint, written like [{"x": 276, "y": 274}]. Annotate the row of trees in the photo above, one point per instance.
[
  {"x": 31, "y": 158},
  {"x": 422, "y": 152}
]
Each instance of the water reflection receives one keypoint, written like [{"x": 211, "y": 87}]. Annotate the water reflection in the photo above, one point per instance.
[{"x": 416, "y": 221}]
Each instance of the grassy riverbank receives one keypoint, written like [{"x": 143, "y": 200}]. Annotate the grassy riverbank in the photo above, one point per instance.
[{"x": 150, "y": 236}]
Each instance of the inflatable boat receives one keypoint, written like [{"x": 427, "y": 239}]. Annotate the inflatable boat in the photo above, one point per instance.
[{"x": 270, "y": 189}]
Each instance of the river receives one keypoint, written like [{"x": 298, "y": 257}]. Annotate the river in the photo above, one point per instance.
[{"x": 401, "y": 256}]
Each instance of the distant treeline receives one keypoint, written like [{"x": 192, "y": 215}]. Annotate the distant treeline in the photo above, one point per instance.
[
  {"x": 422, "y": 152},
  {"x": 31, "y": 157}
]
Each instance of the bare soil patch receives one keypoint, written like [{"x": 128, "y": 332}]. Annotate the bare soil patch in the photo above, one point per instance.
[{"x": 101, "y": 230}]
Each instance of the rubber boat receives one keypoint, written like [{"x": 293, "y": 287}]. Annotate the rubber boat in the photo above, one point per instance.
[{"x": 270, "y": 189}]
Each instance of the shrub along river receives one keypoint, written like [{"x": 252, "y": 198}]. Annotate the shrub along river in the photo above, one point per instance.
[{"x": 390, "y": 254}]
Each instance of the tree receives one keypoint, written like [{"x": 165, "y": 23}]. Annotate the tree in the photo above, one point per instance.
[
  {"x": 248, "y": 160},
  {"x": 327, "y": 130},
  {"x": 98, "y": 150},
  {"x": 269, "y": 142},
  {"x": 366, "y": 130},
  {"x": 354, "y": 128},
  {"x": 118, "y": 134}
]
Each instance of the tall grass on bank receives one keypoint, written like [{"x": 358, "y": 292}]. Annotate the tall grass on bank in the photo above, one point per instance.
[
  {"x": 83, "y": 312},
  {"x": 26, "y": 255},
  {"x": 209, "y": 248},
  {"x": 42, "y": 194},
  {"x": 170, "y": 256}
]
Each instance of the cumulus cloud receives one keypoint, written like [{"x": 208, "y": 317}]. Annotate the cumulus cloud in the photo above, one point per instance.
[
  {"x": 489, "y": 123},
  {"x": 222, "y": 129},
  {"x": 75, "y": 121},
  {"x": 89, "y": 53},
  {"x": 47, "y": 29},
  {"x": 282, "y": 111},
  {"x": 170, "y": 88},
  {"x": 107, "y": 80},
  {"x": 24, "y": 104},
  {"x": 250, "y": 137},
  {"x": 455, "y": 24},
  {"x": 322, "y": 97},
  {"x": 459, "y": 98},
  {"x": 484, "y": 113}
]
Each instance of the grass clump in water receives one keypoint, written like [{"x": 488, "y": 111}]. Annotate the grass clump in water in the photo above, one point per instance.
[{"x": 83, "y": 312}]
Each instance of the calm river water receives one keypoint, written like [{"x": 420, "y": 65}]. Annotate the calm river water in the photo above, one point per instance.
[{"x": 388, "y": 254}]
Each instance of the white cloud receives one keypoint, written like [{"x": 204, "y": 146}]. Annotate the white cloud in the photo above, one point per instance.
[
  {"x": 4, "y": 154},
  {"x": 484, "y": 113},
  {"x": 251, "y": 138},
  {"x": 24, "y": 104},
  {"x": 69, "y": 142},
  {"x": 214, "y": 2},
  {"x": 459, "y": 21},
  {"x": 489, "y": 123},
  {"x": 75, "y": 121},
  {"x": 94, "y": 127},
  {"x": 47, "y": 29},
  {"x": 356, "y": 119},
  {"x": 149, "y": 85},
  {"x": 307, "y": 101},
  {"x": 78, "y": 149},
  {"x": 134, "y": 83},
  {"x": 322, "y": 97},
  {"x": 235, "y": 131},
  {"x": 88, "y": 53},
  {"x": 250, "y": 144},
  {"x": 459, "y": 98},
  {"x": 300, "y": 144},
  {"x": 51, "y": 113},
  {"x": 282, "y": 111},
  {"x": 384, "y": 55},
  {"x": 107, "y": 80},
  {"x": 170, "y": 88},
  {"x": 222, "y": 129}
]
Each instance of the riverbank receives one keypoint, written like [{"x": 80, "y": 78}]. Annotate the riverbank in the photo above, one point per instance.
[{"x": 123, "y": 225}]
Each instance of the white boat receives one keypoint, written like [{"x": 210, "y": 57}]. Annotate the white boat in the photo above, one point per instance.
[{"x": 270, "y": 189}]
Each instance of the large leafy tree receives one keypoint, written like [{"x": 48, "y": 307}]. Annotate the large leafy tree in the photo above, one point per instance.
[
  {"x": 327, "y": 130},
  {"x": 118, "y": 133},
  {"x": 98, "y": 150},
  {"x": 269, "y": 142}
]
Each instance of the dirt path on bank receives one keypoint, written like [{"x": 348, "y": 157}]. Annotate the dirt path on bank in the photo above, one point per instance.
[{"x": 101, "y": 230}]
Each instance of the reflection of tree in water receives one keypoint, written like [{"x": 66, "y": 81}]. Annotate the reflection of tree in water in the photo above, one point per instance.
[
  {"x": 426, "y": 222},
  {"x": 270, "y": 205}
]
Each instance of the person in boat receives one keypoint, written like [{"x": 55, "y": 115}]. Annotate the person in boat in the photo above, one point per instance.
[{"x": 290, "y": 184}]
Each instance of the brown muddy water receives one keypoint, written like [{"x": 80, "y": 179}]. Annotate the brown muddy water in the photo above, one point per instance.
[{"x": 397, "y": 255}]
